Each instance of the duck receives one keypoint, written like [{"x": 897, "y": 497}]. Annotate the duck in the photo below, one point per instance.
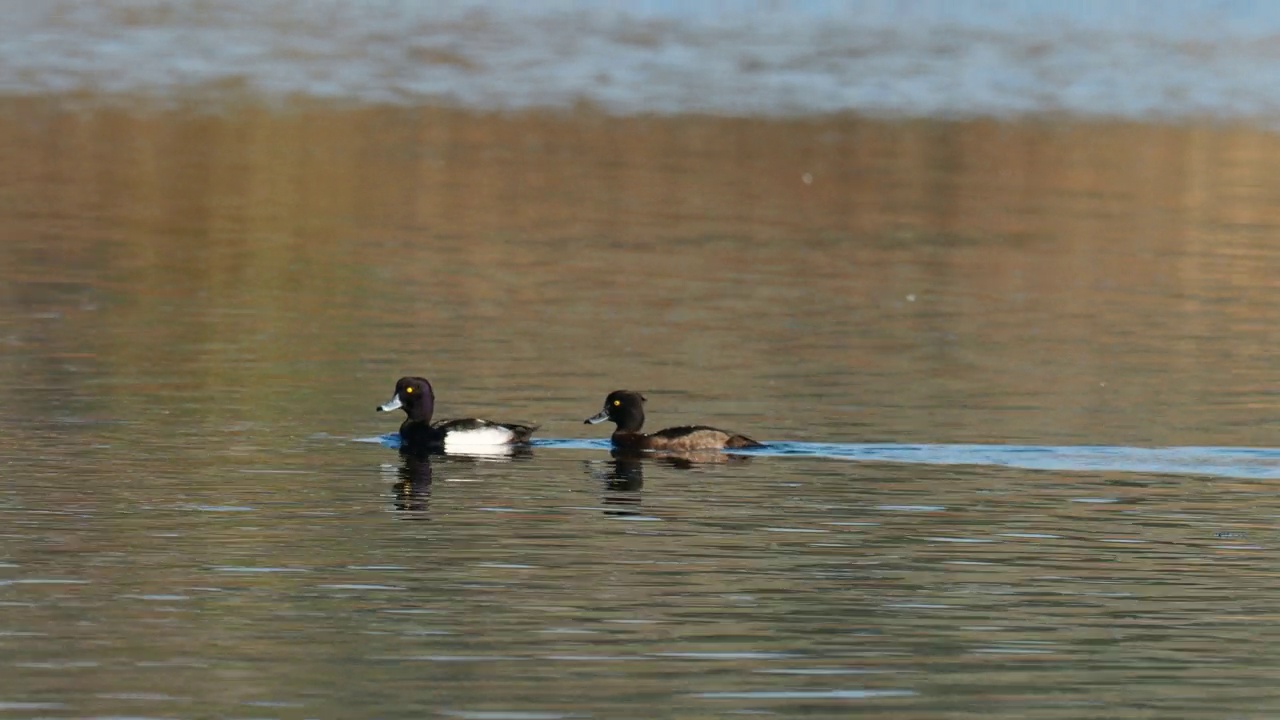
[
  {"x": 625, "y": 408},
  {"x": 415, "y": 396}
]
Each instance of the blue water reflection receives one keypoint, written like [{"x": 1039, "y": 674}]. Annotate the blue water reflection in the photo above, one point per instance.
[{"x": 1234, "y": 462}]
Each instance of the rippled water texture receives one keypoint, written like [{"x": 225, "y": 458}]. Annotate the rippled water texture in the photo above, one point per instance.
[{"x": 1015, "y": 378}]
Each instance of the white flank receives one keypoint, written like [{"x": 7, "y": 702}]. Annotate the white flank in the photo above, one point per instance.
[{"x": 477, "y": 439}]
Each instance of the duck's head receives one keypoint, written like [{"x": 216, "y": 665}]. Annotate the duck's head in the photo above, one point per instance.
[
  {"x": 625, "y": 408},
  {"x": 413, "y": 395}
]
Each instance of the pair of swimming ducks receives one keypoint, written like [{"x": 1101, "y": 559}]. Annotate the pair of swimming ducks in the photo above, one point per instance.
[{"x": 624, "y": 408}]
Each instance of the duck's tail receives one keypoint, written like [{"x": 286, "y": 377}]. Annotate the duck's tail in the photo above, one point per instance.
[
  {"x": 741, "y": 441},
  {"x": 521, "y": 433}
]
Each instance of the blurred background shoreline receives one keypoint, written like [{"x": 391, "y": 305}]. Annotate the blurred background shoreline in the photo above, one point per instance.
[{"x": 1181, "y": 61}]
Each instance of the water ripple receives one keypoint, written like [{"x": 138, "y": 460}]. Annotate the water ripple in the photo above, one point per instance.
[{"x": 1233, "y": 462}]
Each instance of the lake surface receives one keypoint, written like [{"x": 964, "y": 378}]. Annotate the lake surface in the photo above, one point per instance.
[
  {"x": 1017, "y": 380},
  {"x": 1015, "y": 376}
]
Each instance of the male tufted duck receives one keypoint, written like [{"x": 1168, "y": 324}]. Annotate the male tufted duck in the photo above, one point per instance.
[
  {"x": 415, "y": 396},
  {"x": 626, "y": 409}
]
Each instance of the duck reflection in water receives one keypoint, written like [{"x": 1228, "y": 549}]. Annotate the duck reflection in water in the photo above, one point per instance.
[
  {"x": 624, "y": 478},
  {"x": 413, "y": 491},
  {"x": 415, "y": 475}
]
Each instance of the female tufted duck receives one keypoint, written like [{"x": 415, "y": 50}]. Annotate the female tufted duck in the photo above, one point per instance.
[
  {"x": 625, "y": 408},
  {"x": 415, "y": 396}
]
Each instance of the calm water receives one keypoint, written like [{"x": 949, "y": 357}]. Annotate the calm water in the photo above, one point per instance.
[{"x": 1016, "y": 379}]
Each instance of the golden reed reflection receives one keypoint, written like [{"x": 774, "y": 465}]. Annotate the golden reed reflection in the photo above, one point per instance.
[
  {"x": 246, "y": 171},
  {"x": 225, "y": 235}
]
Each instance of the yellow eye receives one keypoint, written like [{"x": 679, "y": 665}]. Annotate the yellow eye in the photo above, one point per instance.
[
  {"x": 408, "y": 391},
  {"x": 616, "y": 403}
]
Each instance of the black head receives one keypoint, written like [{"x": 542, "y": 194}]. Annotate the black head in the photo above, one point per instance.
[
  {"x": 625, "y": 408},
  {"x": 413, "y": 395}
]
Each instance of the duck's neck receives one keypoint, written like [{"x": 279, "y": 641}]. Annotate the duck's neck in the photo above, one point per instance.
[{"x": 628, "y": 440}]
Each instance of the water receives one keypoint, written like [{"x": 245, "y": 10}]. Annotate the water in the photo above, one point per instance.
[
  {"x": 1020, "y": 412},
  {"x": 1220, "y": 461},
  {"x": 1015, "y": 377}
]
